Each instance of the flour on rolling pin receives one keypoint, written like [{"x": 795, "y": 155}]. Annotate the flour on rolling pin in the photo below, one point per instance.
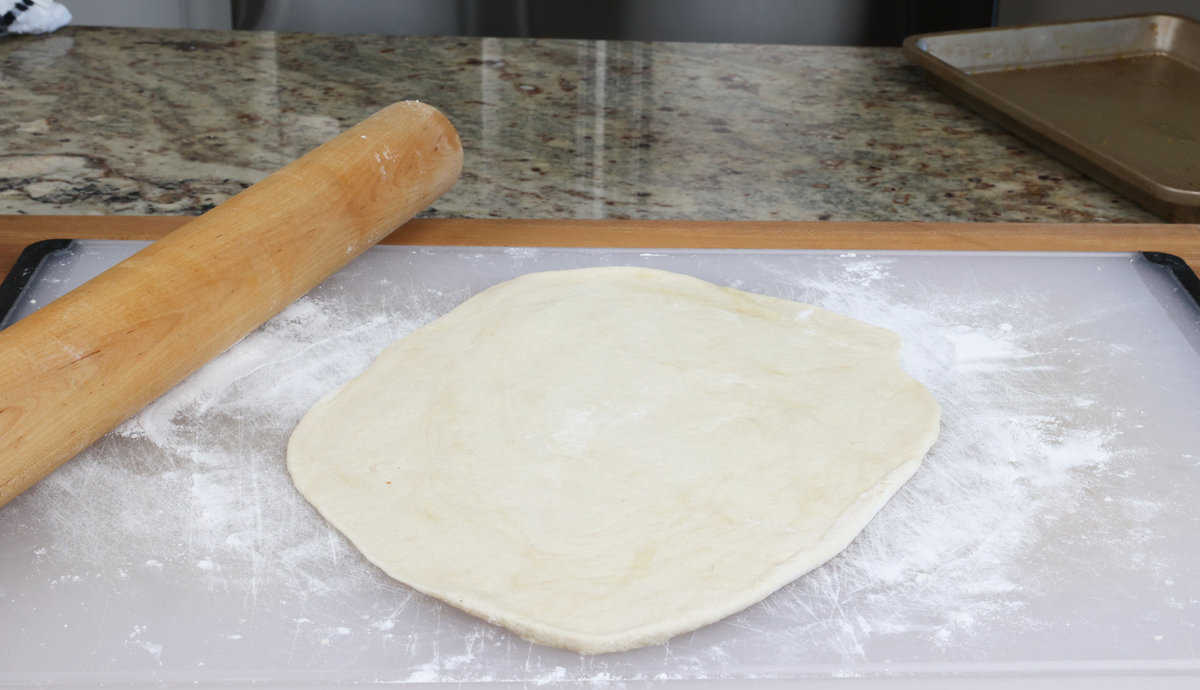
[{"x": 971, "y": 551}]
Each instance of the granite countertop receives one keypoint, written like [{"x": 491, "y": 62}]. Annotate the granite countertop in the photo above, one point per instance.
[{"x": 139, "y": 121}]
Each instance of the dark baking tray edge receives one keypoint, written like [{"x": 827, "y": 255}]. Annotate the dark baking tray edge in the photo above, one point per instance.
[
  {"x": 1179, "y": 268},
  {"x": 961, "y": 88},
  {"x": 22, "y": 271}
]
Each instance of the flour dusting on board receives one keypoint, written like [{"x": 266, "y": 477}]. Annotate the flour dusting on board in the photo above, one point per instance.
[
  {"x": 939, "y": 559},
  {"x": 191, "y": 497}
]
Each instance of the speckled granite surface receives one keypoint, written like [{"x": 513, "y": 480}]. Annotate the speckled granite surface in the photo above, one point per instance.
[{"x": 141, "y": 121}]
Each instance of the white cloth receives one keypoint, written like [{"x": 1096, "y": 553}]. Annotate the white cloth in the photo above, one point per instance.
[{"x": 34, "y": 16}]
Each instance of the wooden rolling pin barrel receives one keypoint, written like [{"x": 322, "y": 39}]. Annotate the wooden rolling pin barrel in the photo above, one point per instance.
[{"x": 75, "y": 369}]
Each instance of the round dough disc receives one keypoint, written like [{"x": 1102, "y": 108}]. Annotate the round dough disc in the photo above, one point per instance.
[{"x": 599, "y": 459}]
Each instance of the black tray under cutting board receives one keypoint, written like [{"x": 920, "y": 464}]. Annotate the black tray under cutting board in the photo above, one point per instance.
[{"x": 1116, "y": 98}]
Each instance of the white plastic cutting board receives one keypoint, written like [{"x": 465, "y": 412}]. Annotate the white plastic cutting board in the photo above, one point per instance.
[{"x": 1053, "y": 531}]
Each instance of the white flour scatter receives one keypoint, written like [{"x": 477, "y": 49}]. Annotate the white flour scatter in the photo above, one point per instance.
[
  {"x": 191, "y": 497},
  {"x": 522, "y": 253},
  {"x": 942, "y": 557},
  {"x": 203, "y": 464},
  {"x": 135, "y": 640}
]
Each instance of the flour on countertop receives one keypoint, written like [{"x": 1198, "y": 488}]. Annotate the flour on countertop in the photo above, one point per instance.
[{"x": 194, "y": 490}]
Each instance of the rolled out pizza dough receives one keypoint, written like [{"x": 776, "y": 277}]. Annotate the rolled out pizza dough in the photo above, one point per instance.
[{"x": 599, "y": 459}]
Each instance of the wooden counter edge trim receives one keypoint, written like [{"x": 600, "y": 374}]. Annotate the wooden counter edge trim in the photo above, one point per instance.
[{"x": 18, "y": 231}]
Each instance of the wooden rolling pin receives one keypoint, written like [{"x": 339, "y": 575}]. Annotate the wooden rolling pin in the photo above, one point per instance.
[{"x": 78, "y": 367}]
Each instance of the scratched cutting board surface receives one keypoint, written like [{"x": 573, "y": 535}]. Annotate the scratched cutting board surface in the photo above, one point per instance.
[{"x": 1052, "y": 529}]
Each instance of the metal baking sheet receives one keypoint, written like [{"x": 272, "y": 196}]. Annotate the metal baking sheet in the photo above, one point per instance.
[
  {"x": 1117, "y": 98},
  {"x": 1050, "y": 534}
]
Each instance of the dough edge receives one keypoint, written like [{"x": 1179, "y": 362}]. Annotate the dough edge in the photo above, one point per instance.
[{"x": 841, "y": 534}]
